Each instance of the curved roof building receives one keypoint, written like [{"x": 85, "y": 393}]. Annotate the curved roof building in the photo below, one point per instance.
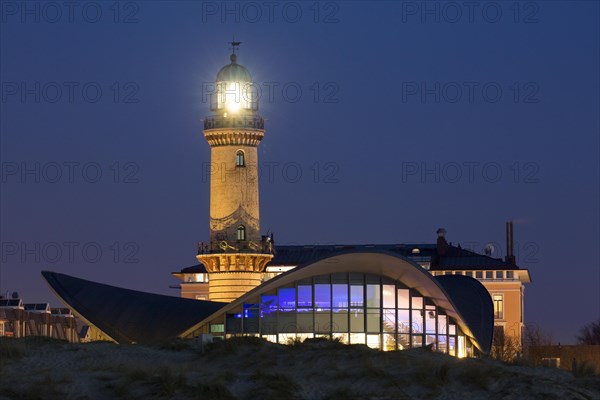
[{"x": 375, "y": 298}]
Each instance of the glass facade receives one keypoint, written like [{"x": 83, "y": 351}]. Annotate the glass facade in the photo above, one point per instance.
[{"x": 353, "y": 308}]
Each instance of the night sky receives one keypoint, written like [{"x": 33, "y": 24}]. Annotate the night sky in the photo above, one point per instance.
[{"x": 408, "y": 120}]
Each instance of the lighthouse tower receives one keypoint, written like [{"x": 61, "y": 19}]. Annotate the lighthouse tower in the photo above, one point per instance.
[{"x": 237, "y": 254}]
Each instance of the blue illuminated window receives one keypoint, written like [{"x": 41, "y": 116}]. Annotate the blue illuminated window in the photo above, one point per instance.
[
  {"x": 287, "y": 298},
  {"x": 268, "y": 304},
  {"x": 322, "y": 295},
  {"x": 340, "y": 295},
  {"x": 251, "y": 313},
  {"x": 305, "y": 296}
]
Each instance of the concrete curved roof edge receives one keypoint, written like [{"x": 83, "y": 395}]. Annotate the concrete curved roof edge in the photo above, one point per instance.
[
  {"x": 125, "y": 315},
  {"x": 376, "y": 262},
  {"x": 54, "y": 285},
  {"x": 475, "y": 304}
]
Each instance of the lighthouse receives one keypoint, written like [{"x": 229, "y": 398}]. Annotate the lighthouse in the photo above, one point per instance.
[{"x": 236, "y": 255}]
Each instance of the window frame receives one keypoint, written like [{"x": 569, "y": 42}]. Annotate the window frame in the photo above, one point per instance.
[
  {"x": 498, "y": 298},
  {"x": 240, "y": 158},
  {"x": 241, "y": 233}
]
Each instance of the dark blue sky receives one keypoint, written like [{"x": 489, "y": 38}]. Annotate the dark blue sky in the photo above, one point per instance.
[{"x": 501, "y": 109}]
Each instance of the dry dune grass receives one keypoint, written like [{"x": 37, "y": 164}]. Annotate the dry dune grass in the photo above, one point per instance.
[{"x": 249, "y": 368}]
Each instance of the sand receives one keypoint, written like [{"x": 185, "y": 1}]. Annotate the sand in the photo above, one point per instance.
[{"x": 38, "y": 368}]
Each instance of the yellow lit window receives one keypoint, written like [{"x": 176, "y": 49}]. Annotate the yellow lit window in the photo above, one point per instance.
[{"x": 498, "y": 300}]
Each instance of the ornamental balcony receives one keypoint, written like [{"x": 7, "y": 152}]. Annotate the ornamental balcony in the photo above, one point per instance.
[
  {"x": 234, "y": 121},
  {"x": 265, "y": 246}
]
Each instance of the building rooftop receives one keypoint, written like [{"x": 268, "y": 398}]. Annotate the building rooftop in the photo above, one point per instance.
[
  {"x": 37, "y": 307},
  {"x": 61, "y": 311},
  {"x": 11, "y": 303},
  {"x": 455, "y": 257}
]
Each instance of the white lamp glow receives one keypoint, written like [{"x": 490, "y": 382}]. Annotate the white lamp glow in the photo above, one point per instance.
[{"x": 233, "y": 97}]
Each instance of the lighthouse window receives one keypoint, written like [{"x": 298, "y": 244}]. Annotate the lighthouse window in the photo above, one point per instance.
[
  {"x": 239, "y": 159},
  {"x": 241, "y": 232}
]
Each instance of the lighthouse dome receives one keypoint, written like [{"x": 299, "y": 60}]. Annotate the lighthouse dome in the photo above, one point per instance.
[{"x": 234, "y": 72}]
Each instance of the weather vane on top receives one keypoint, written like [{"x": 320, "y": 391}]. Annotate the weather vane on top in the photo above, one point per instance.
[{"x": 234, "y": 45}]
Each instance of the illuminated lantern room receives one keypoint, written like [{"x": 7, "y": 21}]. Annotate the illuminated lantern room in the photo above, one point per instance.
[
  {"x": 234, "y": 102},
  {"x": 234, "y": 90}
]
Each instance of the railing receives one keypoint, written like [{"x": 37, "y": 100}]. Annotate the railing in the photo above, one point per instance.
[
  {"x": 241, "y": 121},
  {"x": 220, "y": 106},
  {"x": 263, "y": 247}
]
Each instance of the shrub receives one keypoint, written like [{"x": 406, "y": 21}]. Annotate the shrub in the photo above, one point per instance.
[
  {"x": 138, "y": 375},
  {"x": 584, "y": 370},
  {"x": 11, "y": 349},
  {"x": 167, "y": 382},
  {"x": 232, "y": 345},
  {"x": 478, "y": 375},
  {"x": 175, "y": 345},
  {"x": 273, "y": 386},
  {"x": 432, "y": 372},
  {"x": 212, "y": 391},
  {"x": 45, "y": 389},
  {"x": 343, "y": 394}
]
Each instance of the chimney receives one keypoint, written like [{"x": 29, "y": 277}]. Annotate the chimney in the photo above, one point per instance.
[
  {"x": 510, "y": 254},
  {"x": 441, "y": 242}
]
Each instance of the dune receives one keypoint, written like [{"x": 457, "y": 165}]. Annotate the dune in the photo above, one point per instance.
[{"x": 250, "y": 368}]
